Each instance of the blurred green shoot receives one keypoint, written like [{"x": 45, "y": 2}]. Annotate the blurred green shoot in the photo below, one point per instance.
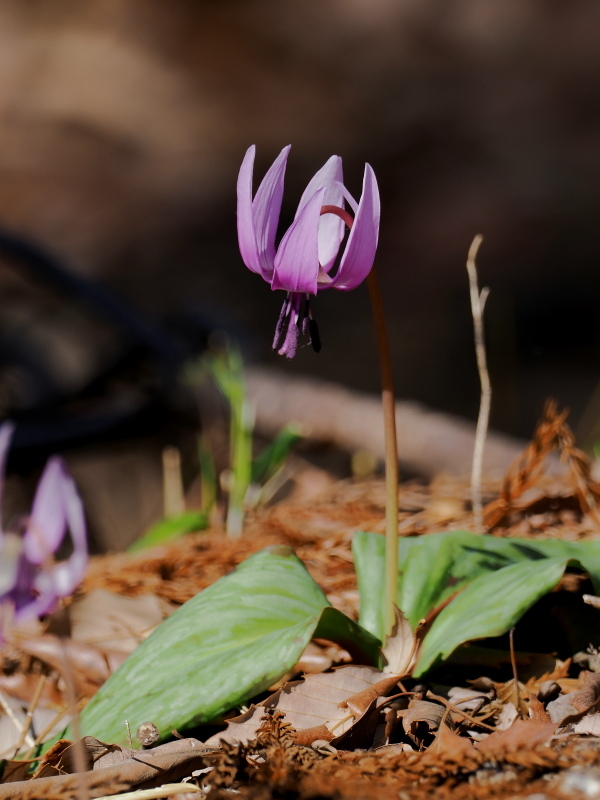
[
  {"x": 250, "y": 482},
  {"x": 208, "y": 476},
  {"x": 227, "y": 370},
  {"x": 170, "y": 528},
  {"x": 177, "y": 520}
]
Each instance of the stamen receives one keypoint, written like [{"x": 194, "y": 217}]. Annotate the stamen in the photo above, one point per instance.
[
  {"x": 282, "y": 322},
  {"x": 295, "y": 320}
]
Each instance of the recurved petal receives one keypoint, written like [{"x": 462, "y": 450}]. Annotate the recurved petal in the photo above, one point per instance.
[
  {"x": 62, "y": 579},
  {"x": 297, "y": 259},
  {"x": 47, "y": 523},
  {"x": 331, "y": 228},
  {"x": 360, "y": 249},
  {"x": 245, "y": 222},
  {"x": 266, "y": 209}
]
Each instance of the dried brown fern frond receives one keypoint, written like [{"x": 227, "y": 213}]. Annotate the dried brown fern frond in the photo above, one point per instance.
[{"x": 552, "y": 433}]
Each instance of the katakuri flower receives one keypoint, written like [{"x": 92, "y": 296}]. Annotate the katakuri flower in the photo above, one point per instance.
[
  {"x": 312, "y": 254},
  {"x": 31, "y": 581}
]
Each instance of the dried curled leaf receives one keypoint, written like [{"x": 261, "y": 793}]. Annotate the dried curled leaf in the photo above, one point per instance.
[
  {"x": 402, "y": 646},
  {"x": 522, "y": 734},
  {"x": 318, "y": 702}
]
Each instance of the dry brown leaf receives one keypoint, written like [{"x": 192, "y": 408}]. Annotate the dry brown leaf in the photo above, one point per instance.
[
  {"x": 451, "y": 745},
  {"x": 559, "y": 674},
  {"x": 589, "y": 694},
  {"x": 590, "y": 724},
  {"x": 318, "y": 656},
  {"x": 310, "y": 703},
  {"x": 470, "y": 699},
  {"x": 515, "y": 693},
  {"x": 115, "y": 622},
  {"x": 422, "y": 711},
  {"x": 507, "y": 716},
  {"x": 90, "y": 666},
  {"x": 537, "y": 710},
  {"x": 146, "y": 769},
  {"x": 65, "y": 756},
  {"x": 359, "y": 702},
  {"x": 562, "y": 709},
  {"x": 15, "y": 771},
  {"x": 22, "y": 686},
  {"x": 402, "y": 647},
  {"x": 523, "y": 733}
]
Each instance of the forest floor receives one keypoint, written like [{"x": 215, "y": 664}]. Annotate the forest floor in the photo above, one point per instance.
[{"x": 502, "y": 741}]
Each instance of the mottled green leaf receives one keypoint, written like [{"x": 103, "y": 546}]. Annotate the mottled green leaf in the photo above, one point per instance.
[
  {"x": 225, "y": 645},
  {"x": 489, "y": 606}
]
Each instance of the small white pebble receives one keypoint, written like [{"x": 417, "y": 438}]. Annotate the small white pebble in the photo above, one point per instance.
[{"x": 583, "y": 780}]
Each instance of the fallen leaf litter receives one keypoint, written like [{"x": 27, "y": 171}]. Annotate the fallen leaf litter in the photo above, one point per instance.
[{"x": 491, "y": 739}]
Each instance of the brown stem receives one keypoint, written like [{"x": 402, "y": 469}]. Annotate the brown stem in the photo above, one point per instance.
[
  {"x": 391, "y": 453},
  {"x": 391, "y": 447}
]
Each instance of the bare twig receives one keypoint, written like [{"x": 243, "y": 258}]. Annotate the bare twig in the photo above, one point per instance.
[
  {"x": 79, "y": 758},
  {"x": 458, "y": 710},
  {"x": 9, "y": 711},
  {"x": 29, "y": 715},
  {"x": 477, "y": 305},
  {"x": 167, "y": 790}
]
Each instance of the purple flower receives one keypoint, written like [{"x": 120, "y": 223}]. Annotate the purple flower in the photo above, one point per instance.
[
  {"x": 311, "y": 249},
  {"x": 30, "y": 580}
]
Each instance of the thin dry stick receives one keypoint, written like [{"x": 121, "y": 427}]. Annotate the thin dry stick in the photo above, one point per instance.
[
  {"x": 167, "y": 790},
  {"x": 29, "y": 715},
  {"x": 41, "y": 737},
  {"x": 457, "y": 710},
  {"x": 513, "y": 660},
  {"x": 8, "y": 710},
  {"x": 477, "y": 305},
  {"x": 391, "y": 453},
  {"x": 79, "y": 758}
]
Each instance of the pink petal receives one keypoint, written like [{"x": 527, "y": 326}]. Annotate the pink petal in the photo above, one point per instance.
[
  {"x": 359, "y": 254},
  {"x": 297, "y": 259},
  {"x": 47, "y": 522},
  {"x": 331, "y": 227},
  {"x": 62, "y": 579},
  {"x": 245, "y": 223},
  {"x": 266, "y": 209}
]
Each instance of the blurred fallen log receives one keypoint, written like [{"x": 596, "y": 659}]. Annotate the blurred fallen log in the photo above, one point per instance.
[{"x": 429, "y": 442}]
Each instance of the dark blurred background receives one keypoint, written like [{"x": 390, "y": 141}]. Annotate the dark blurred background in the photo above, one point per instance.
[{"x": 123, "y": 124}]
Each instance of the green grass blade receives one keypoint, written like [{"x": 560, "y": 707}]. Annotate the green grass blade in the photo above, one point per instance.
[
  {"x": 272, "y": 457},
  {"x": 169, "y": 529}
]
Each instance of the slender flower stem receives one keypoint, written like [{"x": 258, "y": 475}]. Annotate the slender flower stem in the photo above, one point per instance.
[
  {"x": 389, "y": 427},
  {"x": 391, "y": 453}
]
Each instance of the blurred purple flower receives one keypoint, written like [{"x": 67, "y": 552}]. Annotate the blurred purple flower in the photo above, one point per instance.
[
  {"x": 30, "y": 581},
  {"x": 312, "y": 246}
]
